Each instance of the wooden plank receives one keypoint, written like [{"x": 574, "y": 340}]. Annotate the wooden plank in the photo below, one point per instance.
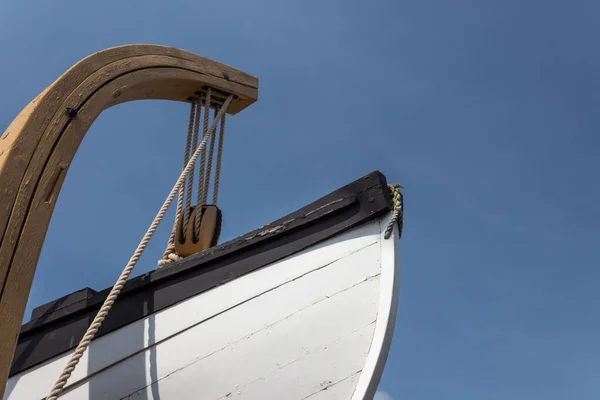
[
  {"x": 135, "y": 337},
  {"x": 386, "y": 317},
  {"x": 339, "y": 360},
  {"x": 30, "y": 186},
  {"x": 260, "y": 341},
  {"x": 337, "y": 390}
]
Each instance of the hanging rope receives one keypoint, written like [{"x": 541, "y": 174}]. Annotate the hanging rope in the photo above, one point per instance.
[
  {"x": 219, "y": 157},
  {"x": 204, "y": 181},
  {"x": 116, "y": 289},
  {"x": 170, "y": 255},
  {"x": 190, "y": 183},
  {"x": 204, "y": 175},
  {"x": 398, "y": 214},
  {"x": 201, "y": 176},
  {"x": 211, "y": 153}
]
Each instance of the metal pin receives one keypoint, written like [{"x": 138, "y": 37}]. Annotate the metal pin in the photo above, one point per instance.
[{"x": 72, "y": 112}]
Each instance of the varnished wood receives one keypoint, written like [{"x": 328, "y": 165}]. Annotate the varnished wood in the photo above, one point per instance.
[
  {"x": 188, "y": 244},
  {"x": 38, "y": 147}
]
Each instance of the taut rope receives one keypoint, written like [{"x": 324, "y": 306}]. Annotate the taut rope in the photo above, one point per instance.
[
  {"x": 219, "y": 157},
  {"x": 202, "y": 188},
  {"x": 211, "y": 153},
  {"x": 190, "y": 183},
  {"x": 170, "y": 254},
  {"x": 116, "y": 289}
]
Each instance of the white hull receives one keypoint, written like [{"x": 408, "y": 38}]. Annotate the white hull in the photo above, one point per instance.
[{"x": 316, "y": 325}]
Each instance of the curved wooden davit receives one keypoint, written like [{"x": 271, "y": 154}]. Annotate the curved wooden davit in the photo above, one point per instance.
[{"x": 39, "y": 145}]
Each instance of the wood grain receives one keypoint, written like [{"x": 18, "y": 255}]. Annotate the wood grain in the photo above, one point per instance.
[
  {"x": 186, "y": 245},
  {"x": 38, "y": 147}
]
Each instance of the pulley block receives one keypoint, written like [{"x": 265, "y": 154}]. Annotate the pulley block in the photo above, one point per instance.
[{"x": 187, "y": 242}]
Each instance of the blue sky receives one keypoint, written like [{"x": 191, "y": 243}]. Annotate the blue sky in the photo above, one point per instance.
[{"x": 486, "y": 111}]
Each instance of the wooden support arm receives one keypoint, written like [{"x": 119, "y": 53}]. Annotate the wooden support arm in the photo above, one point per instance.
[{"x": 39, "y": 145}]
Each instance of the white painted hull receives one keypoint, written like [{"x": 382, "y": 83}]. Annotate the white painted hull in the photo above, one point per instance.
[{"x": 316, "y": 325}]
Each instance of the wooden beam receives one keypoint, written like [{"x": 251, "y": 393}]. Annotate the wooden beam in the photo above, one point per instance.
[{"x": 39, "y": 145}]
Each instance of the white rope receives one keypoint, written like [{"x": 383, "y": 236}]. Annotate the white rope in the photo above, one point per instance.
[
  {"x": 201, "y": 178},
  {"x": 202, "y": 173},
  {"x": 204, "y": 177},
  {"x": 209, "y": 162},
  {"x": 170, "y": 255},
  {"x": 190, "y": 183},
  {"x": 219, "y": 157},
  {"x": 116, "y": 289}
]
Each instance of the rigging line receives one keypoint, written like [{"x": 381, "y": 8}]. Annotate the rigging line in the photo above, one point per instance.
[
  {"x": 201, "y": 178},
  {"x": 219, "y": 157},
  {"x": 209, "y": 162},
  {"x": 201, "y": 175},
  {"x": 170, "y": 254},
  {"x": 190, "y": 184},
  {"x": 116, "y": 289}
]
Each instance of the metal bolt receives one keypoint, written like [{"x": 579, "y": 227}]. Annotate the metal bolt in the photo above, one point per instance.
[{"x": 72, "y": 112}]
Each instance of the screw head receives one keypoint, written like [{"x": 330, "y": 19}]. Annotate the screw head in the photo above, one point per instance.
[{"x": 72, "y": 112}]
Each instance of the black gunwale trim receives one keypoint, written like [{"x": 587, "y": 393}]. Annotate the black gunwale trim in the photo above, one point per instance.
[{"x": 59, "y": 325}]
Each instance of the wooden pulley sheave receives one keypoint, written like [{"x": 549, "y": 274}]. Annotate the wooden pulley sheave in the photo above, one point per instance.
[
  {"x": 198, "y": 227},
  {"x": 187, "y": 240}
]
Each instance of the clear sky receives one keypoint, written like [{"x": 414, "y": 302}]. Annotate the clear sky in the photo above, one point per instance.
[{"x": 486, "y": 111}]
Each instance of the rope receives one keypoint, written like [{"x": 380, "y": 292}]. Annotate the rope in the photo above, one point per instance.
[
  {"x": 201, "y": 174},
  {"x": 170, "y": 255},
  {"x": 116, "y": 289},
  {"x": 201, "y": 177},
  {"x": 398, "y": 215},
  {"x": 190, "y": 183},
  {"x": 219, "y": 157},
  {"x": 211, "y": 153}
]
